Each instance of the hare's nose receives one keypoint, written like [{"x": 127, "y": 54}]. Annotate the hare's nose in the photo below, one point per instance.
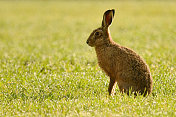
[{"x": 87, "y": 41}]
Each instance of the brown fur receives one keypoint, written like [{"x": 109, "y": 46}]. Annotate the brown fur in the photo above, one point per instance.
[{"x": 121, "y": 64}]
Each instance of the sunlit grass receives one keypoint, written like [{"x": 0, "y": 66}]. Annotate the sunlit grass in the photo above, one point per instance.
[{"x": 47, "y": 69}]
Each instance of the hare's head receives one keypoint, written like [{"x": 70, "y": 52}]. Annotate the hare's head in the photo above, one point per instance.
[{"x": 101, "y": 36}]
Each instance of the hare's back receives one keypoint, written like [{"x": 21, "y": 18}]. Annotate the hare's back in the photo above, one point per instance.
[
  {"x": 132, "y": 66},
  {"x": 130, "y": 62},
  {"x": 133, "y": 70}
]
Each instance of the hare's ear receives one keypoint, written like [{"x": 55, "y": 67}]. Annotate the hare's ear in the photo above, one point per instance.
[{"x": 107, "y": 18}]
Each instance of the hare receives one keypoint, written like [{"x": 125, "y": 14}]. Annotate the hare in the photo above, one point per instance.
[{"x": 124, "y": 67}]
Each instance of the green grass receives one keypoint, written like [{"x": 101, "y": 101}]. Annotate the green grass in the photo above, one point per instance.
[{"x": 46, "y": 68}]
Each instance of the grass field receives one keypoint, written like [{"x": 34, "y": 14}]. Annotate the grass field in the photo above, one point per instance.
[{"x": 47, "y": 69}]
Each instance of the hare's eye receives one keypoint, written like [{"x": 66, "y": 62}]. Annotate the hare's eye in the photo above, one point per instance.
[{"x": 97, "y": 33}]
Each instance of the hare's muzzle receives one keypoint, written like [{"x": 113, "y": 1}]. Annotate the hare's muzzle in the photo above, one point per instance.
[{"x": 89, "y": 43}]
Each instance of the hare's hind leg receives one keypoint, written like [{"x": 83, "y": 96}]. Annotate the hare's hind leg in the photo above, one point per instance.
[
  {"x": 123, "y": 88},
  {"x": 127, "y": 90},
  {"x": 112, "y": 86}
]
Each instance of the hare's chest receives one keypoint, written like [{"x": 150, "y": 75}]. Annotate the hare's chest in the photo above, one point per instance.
[{"x": 104, "y": 61}]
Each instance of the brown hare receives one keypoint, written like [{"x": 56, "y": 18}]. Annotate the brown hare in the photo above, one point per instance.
[{"x": 121, "y": 64}]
